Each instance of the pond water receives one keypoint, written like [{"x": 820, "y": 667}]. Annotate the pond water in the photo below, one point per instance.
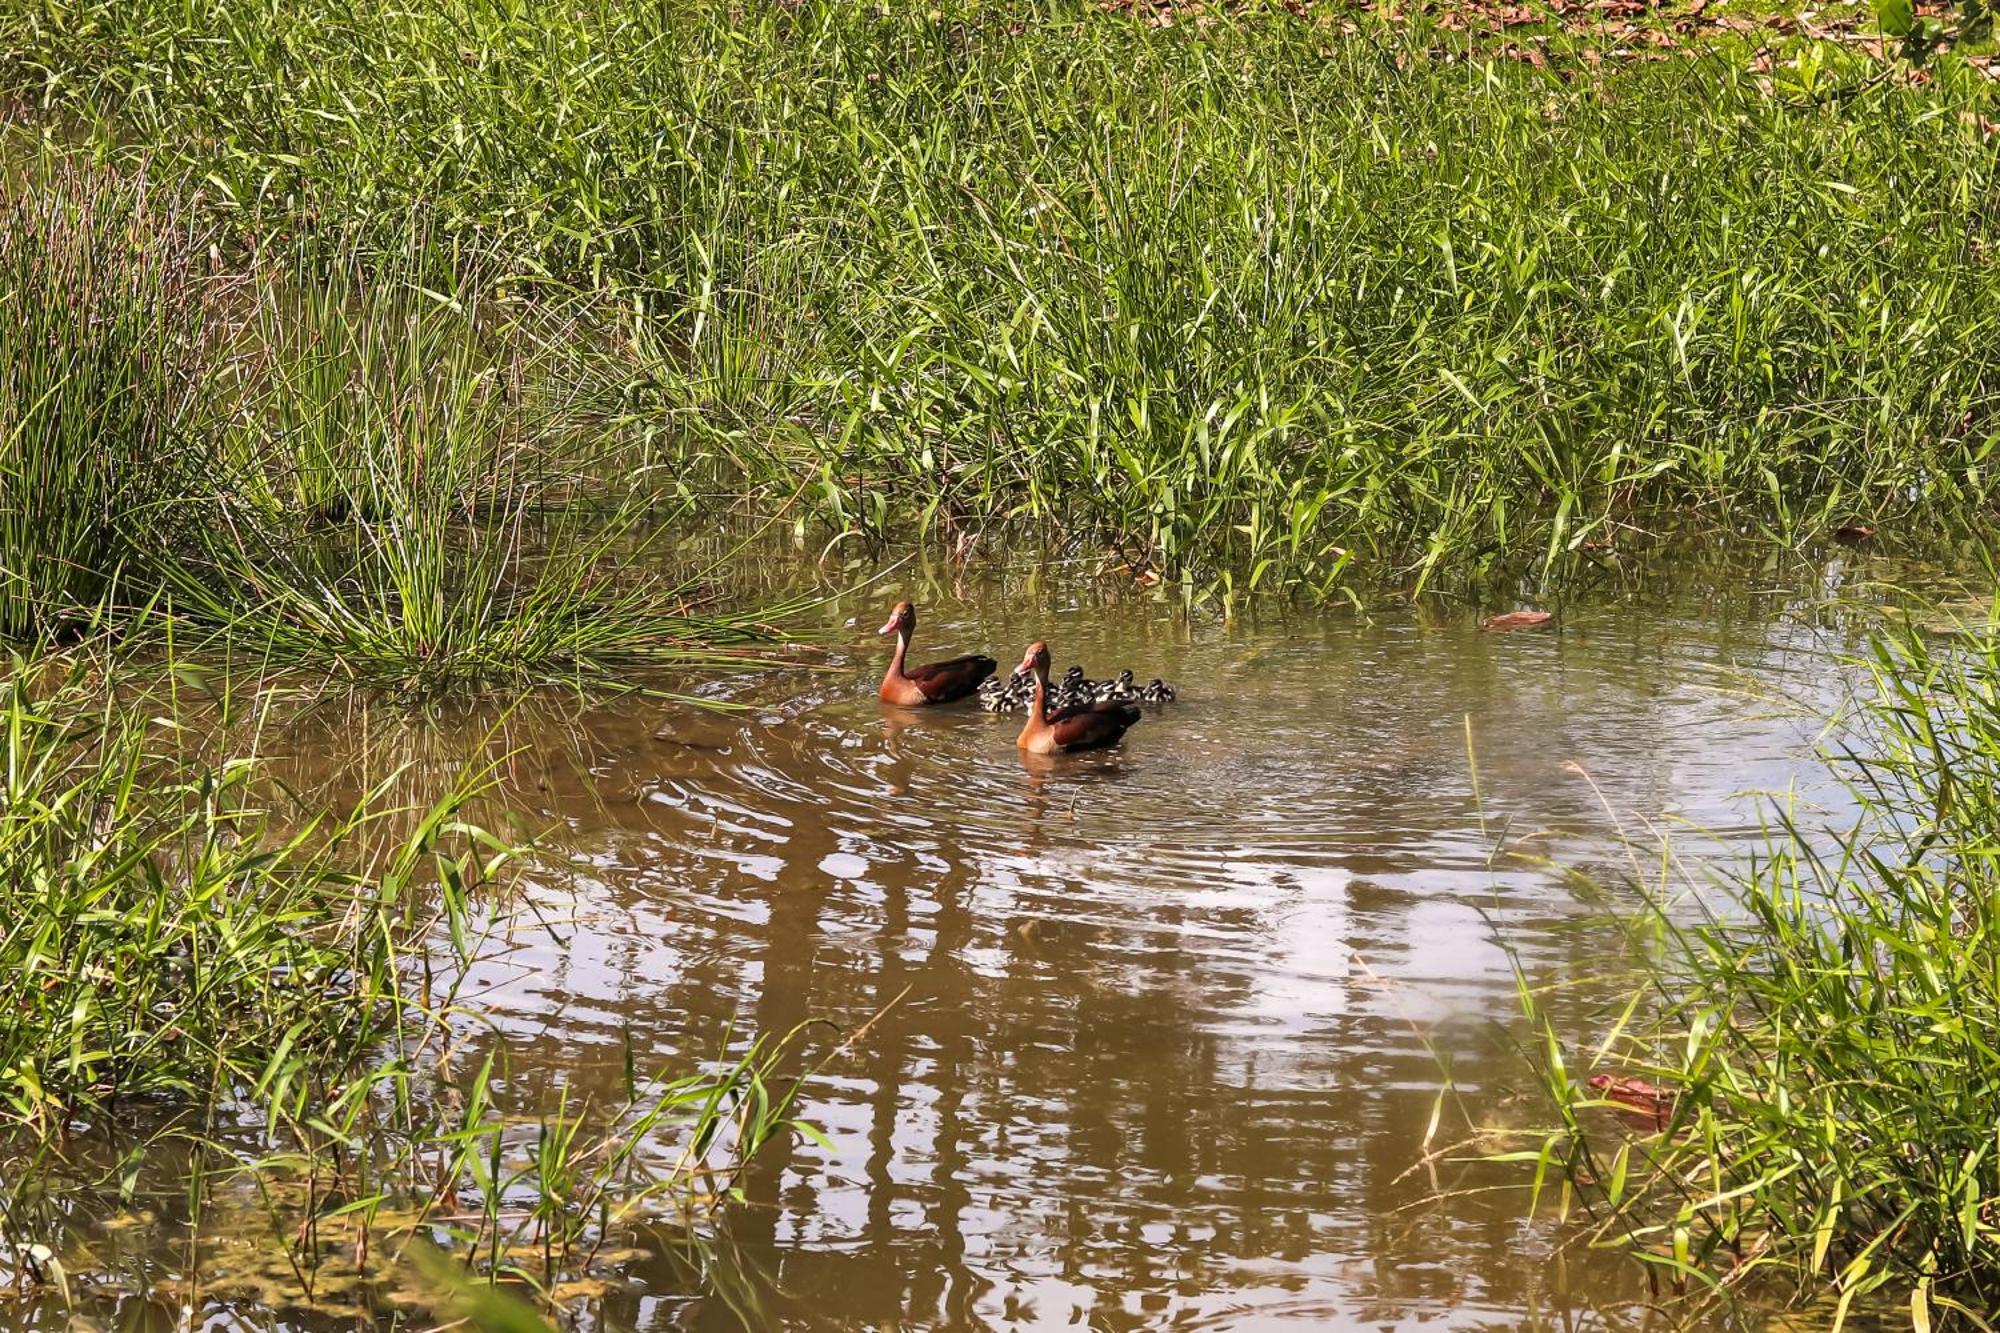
[{"x": 1151, "y": 1038}]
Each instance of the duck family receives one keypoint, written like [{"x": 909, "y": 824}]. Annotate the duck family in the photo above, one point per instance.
[{"x": 1072, "y": 713}]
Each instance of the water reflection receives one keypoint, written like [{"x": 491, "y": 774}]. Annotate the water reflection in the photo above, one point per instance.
[{"x": 1155, "y": 1037}]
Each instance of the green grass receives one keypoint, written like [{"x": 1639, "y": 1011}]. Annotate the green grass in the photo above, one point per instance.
[
  {"x": 413, "y": 500},
  {"x": 1827, "y": 1034},
  {"x": 1260, "y": 303},
  {"x": 167, "y": 937},
  {"x": 103, "y": 316}
]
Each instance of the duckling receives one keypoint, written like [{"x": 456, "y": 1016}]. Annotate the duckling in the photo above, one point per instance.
[
  {"x": 1010, "y": 696},
  {"x": 1074, "y": 690},
  {"x": 1120, "y": 690}
]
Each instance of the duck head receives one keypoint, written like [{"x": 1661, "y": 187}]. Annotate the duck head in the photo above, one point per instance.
[{"x": 902, "y": 621}]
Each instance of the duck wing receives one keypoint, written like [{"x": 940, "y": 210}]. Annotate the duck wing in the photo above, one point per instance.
[
  {"x": 954, "y": 678},
  {"x": 1088, "y": 725}
]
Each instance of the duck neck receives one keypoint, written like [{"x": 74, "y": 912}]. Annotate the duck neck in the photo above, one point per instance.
[
  {"x": 902, "y": 651},
  {"x": 1038, "y": 710}
]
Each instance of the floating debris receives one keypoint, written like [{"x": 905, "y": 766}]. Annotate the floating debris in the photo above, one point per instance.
[{"x": 1512, "y": 620}]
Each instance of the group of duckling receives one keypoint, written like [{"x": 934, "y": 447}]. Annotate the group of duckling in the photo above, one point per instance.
[
  {"x": 1017, "y": 692},
  {"x": 1075, "y": 714}
]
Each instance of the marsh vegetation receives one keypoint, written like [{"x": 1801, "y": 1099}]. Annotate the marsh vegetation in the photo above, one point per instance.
[{"x": 412, "y": 354}]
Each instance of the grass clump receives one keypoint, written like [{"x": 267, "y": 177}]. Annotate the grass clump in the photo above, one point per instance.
[
  {"x": 103, "y": 335},
  {"x": 1829, "y": 1115},
  {"x": 333, "y": 465},
  {"x": 416, "y": 502}
]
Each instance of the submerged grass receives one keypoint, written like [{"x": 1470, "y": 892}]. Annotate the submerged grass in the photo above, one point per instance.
[
  {"x": 1829, "y": 1108},
  {"x": 165, "y": 936},
  {"x": 1253, "y": 301}
]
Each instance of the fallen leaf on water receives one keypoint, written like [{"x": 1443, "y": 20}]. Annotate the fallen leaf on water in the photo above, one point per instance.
[
  {"x": 1635, "y": 1094},
  {"x": 1516, "y": 620}
]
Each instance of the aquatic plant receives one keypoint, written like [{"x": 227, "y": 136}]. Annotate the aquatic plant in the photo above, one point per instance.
[
  {"x": 164, "y": 936},
  {"x": 1805, "y": 1091},
  {"x": 1248, "y": 301},
  {"x": 265, "y": 994}
]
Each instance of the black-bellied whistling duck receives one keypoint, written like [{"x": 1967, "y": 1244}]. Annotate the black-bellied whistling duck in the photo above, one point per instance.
[
  {"x": 1084, "y": 726},
  {"x": 938, "y": 683}
]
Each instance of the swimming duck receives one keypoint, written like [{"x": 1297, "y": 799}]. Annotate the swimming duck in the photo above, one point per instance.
[
  {"x": 1079, "y": 727},
  {"x": 937, "y": 683}
]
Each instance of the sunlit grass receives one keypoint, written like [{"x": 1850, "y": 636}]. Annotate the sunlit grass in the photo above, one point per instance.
[
  {"x": 349, "y": 472},
  {"x": 1264, "y": 303},
  {"x": 412, "y": 501}
]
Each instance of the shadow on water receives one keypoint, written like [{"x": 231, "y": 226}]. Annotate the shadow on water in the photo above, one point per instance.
[{"x": 1154, "y": 1037}]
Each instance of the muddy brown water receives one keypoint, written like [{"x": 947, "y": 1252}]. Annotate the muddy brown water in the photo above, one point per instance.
[{"x": 1154, "y": 1037}]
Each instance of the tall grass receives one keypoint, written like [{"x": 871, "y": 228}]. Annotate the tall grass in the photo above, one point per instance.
[
  {"x": 1827, "y": 1039},
  {"x": 342, "y": 469},
  {"x": 103, "y": 332},
  {"x": 1253, "y": 301},
  {"x": 415, "y": 499}
]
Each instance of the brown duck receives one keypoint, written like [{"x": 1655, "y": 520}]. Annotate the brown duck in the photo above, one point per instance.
[
  {"x": 938, "y": 683},
  {"x": 1086, "y": 726}
]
